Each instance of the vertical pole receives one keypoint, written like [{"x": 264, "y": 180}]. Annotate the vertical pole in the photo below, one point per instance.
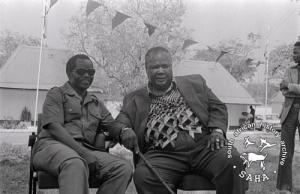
[
  {"x": 266, "y": 55},
  {"x": 267, "y": 80},
  {"x": 39, "y": 65}
]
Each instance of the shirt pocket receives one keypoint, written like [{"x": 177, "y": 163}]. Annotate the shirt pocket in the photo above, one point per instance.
[
  {"x": 72, "y": 109},
  {"x": 94, "y": 111}
]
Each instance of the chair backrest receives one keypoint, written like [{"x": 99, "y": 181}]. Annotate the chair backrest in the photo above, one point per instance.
[{"x": 39, "y": 123}]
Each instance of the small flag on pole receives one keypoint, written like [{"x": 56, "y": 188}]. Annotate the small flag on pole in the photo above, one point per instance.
[
  {"x": 52, "y": 2},
  {"x": 118, "y": 19},
  {"x": 221, "y": 55},
  {"x": 150, "y": 27},
  {"x": 188, "y": 42},
  {"x": 91, "y": 6},
  {"x": 45, "y": 23}
]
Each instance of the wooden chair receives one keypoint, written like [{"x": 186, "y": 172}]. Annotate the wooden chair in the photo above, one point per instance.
[{"x": 44, "y": 180}]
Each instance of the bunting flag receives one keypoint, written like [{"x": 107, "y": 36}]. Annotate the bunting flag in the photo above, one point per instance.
[
  {"x": 275, "y": 69},
  {"x": 210, "y": 49},
  {"x": 91, "y": 6},
  {"x": 188, "y": 42},
  {"x": 52, "y": 2},
  {"x": 221, "y": 55},
  {"x": 258, "y": 63},
  {"x": 150, "y": 27},
  {"x": 118, "y": 19},
  {"x": 248, "y": 61}
]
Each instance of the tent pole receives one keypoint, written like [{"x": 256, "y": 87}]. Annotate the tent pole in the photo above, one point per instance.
[{"x": 39, "y": 65}]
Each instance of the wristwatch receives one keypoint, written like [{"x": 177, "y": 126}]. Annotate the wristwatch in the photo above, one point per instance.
[
  {"x": 218, "y": 130},
  {"x": 123, "y": 130}
]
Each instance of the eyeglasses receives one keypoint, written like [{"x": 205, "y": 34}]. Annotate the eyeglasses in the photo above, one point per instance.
[{"x": 81, "y": 72}]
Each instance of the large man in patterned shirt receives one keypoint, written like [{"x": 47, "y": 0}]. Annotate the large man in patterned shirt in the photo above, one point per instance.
[{"x": 180, "y": 126}]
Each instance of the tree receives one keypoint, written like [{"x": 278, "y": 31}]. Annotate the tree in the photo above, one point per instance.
[
  {"x": 237, "y": 60},
  {"x": 120, "y": 52},
  {"x": 9, "y": 41},
  {"x": 280, "y": 59}
]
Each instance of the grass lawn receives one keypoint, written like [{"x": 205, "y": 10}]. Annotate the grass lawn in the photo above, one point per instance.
[{"x": 14, "y": 167}]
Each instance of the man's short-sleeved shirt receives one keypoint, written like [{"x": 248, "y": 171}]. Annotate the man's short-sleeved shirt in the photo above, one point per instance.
[{"x": 80, "y": 117}]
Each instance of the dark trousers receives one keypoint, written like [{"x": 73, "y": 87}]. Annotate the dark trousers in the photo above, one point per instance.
[
  {"x": 72, "y": 170},
  {"x": 284, "y": 178},
  {"x": 190, "y": 157}
]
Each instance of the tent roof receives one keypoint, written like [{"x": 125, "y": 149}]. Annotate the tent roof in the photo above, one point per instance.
[
  {"x": 21, "y": 69},
  {"x": 278, "y": 98},
  {"x": 222, "y": 83}
]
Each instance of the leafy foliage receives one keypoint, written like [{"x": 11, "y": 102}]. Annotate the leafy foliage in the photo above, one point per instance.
[
  {"x": 120, "y": 52},
  {"x": 9, "y": 41},
  {"x": 237, "y": 61},
  {"x": 280, "y": 59}
]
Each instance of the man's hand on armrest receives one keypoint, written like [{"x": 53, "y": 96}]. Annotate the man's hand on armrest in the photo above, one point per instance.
[{"x": 129, "y": 140}]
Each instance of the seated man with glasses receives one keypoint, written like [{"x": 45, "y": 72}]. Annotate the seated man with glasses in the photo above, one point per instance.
[{"x": 66, "y": 145}]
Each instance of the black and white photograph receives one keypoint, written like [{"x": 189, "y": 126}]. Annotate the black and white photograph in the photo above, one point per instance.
[{"x": 149, "y": 96}]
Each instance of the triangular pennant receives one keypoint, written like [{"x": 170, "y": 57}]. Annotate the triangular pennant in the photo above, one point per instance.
[
  {"x": 188, "y": 42},
  {"x": 258, "y": 63},
  {"x": 275, "y": 69},
  {"x": 118, "y": 19},
  {"x": 150, "y": 27},
  {"x": 210, "y": 49},
  {"x": 91, "y": 6},
  {"x": 221, "y": 55},
  {"x": 248, "y": 61},
  {"x": 52, "y": 2}
]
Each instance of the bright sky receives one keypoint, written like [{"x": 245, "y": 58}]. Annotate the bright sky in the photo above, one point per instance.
[{"x": 211, "y": 20}]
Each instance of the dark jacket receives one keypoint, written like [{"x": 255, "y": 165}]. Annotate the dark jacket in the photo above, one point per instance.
[
  {"x": 204, "y": 103},
  {"x": 291, "y": 77}
]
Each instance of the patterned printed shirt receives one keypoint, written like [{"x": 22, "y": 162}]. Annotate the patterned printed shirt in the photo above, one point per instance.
[{"x": 168, "y": 115}]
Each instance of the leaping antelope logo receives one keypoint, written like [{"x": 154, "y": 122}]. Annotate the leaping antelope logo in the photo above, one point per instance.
[
  {"x": 248, "y": 142},
  {"x": 264, "y": 144},
  {"x": 249, "y": 158}
]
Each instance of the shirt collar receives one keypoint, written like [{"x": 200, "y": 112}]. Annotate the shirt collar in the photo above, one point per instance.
[
  {"x": 68, "y": 89},
  {"x": 172, "y": 87}
]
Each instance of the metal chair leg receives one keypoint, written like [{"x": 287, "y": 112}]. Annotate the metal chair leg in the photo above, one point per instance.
[
  {"x": 30, "y": 180},
  {"x": 34, "y": 184}
]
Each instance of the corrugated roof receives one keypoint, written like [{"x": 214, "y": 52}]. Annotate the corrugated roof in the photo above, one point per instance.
[
  {"x": 278, "y": 98},
  {"x": 20, "y": 71},
  {"x": 222, "y": 83}
]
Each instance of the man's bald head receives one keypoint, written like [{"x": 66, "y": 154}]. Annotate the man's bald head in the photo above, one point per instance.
[
  {"x": 158, "y": 62},
  {"x": 154, "y": 51}
]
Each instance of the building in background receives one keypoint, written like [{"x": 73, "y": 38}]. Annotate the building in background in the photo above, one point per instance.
[
  {"x": 18, "y": 79},
  {"x": 276, "y": 103},
  {"x": 223, "y": 84}
]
